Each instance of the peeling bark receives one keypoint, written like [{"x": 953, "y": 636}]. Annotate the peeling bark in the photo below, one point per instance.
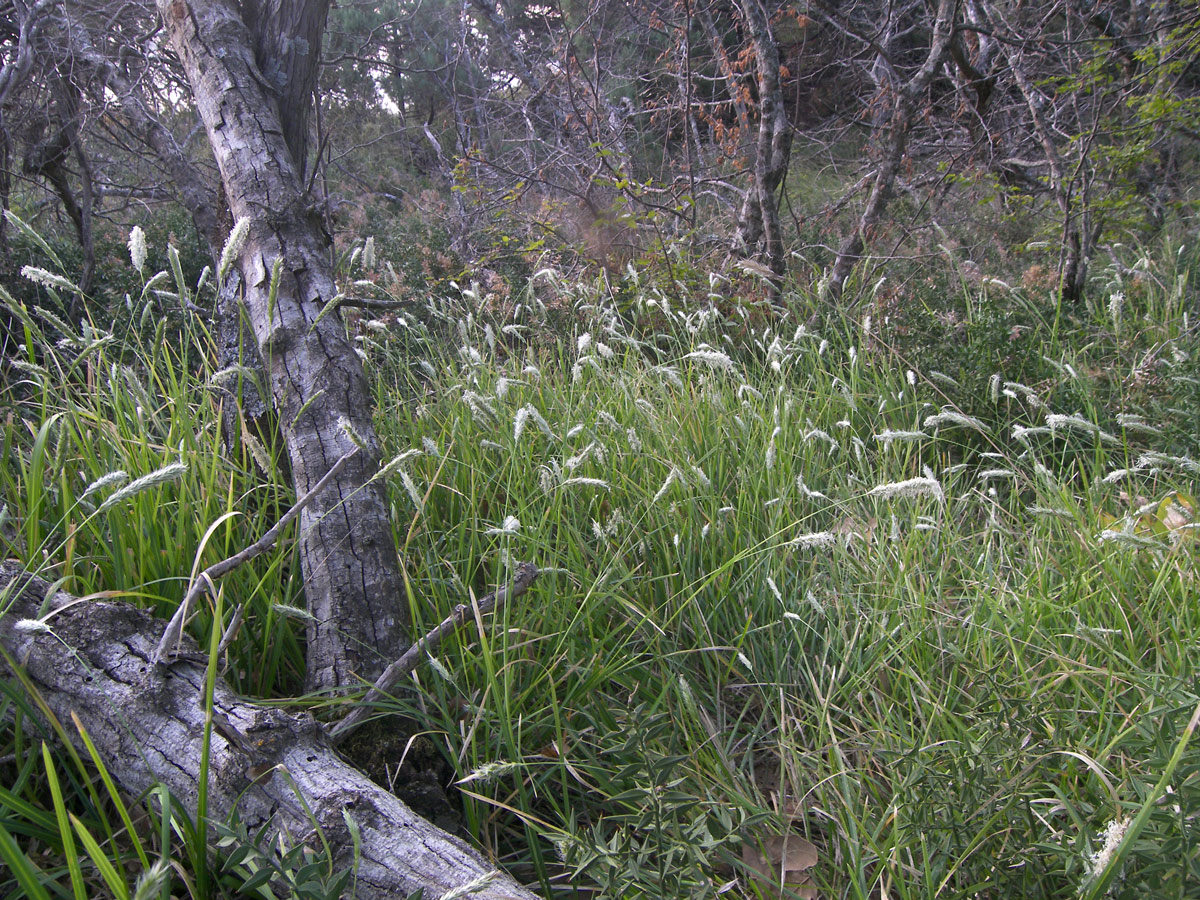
[
  {"x": 351, "y": 572},
  {"x": 270, "y": 766}
]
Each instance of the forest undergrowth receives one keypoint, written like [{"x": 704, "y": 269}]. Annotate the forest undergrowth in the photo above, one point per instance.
[{"x": 826, "y": 607}]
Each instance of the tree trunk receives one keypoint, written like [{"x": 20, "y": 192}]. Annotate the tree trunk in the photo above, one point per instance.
[
  {"x": 147, "y": 722},
  {"x": 759, "y": 220},
  {"x": 1075, "y": 250},
  {"x": 210, "y": 218},
  {"x": 347, "y": 554},
  {"x": 904, "y": 99}
]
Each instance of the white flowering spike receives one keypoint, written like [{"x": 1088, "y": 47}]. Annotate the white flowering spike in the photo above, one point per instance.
[
  {"x": 411, "y": 488},
  {"x": 471, "y": 887},
  {"x": 368, "y": 254},
  {"x": 137, "y": 248},
  {"x": 671, "y": 375},
  {"x": 585, "y": 482},
  {"x": 712, "y": 358},
  {"x": 806, "y": 491},
  {"x": 987, "y": 474},
  {"x": 1058, "y": 422},
  {"x": 348, "y": 429},
  {"x": 888, "y": 437},
  {"x": 519, "y": 423},
  {"x": 574, "y": 462},
  {"x": 952, "y": 417},
  {"x": 164, "y": 475},
  {"x": 480, "y": 406},
  {"x": 1113, "y": 834},
  {"x": 770, "y": 456},
  {"x": 233, "y": 246},
  {"x": 1184, "y": 462},
  {"x": 774, "y": 588},
  {"x": 395, "y": 463},
  {"x": 1130, "y": 540},
  {"x": 819, "y": 540},
  {"x": 672, "y": 477},
  {"x": 912, "y": 487},
  {"x": 511, "y": 525},
  {"x": 1137, "y": 423},
  {"x": 117, "y": 477},
  {"x": 48, "y": 279},
  {"x": 1049, "y": 512}
]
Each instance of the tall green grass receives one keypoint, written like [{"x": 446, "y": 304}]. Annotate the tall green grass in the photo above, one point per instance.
[
  {"x": 794, "y": 581},
  {"x": 790, "y": 585}
]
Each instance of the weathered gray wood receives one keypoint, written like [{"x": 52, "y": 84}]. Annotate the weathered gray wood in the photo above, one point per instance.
[
  {"x": 347, "y": 553},
  {"x": 148, "y": 722}
]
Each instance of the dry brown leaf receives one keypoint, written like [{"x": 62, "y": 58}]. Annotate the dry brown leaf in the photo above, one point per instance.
[{"x": 783, "y": 862}]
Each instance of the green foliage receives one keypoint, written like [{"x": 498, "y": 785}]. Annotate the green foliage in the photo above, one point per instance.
[
  {"x": 727, "y": 512},
  {"x": 656, "y": 838},
  {"x": 297, "y": 872}
]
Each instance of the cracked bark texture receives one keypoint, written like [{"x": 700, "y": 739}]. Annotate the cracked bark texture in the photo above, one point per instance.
[
  {"x": 148, "y": 722},
  {"x": 347, "y": 554}
]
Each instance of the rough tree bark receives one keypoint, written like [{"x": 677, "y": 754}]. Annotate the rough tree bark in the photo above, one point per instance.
[
  {"x": 147, "y": 722},
  {"x": 348, "y": 557}
]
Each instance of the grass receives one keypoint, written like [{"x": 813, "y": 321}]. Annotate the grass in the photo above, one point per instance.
[{"x": 794, "y": 581}]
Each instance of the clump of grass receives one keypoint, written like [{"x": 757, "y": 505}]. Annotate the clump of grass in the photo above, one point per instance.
[
  {"x": 115, "y": 465},
  {"x": 919, "y": 651}
]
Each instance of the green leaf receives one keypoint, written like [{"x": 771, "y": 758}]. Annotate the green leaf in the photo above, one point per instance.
[
  {"x": 64, "y": 825},
  {"x": 108, "y": 872}
]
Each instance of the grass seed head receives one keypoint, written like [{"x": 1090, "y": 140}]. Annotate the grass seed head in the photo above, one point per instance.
[
  {"x": 911, "y": 487},
  {"x": 137, "y": 248}
]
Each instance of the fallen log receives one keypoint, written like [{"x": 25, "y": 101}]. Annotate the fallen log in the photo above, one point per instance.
[{"x": 94, "y": 659}]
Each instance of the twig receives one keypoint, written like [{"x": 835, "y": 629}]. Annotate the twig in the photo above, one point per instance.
[
  {"x": 174, "y": 630},
  {"x": 526, "y": 574}
]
